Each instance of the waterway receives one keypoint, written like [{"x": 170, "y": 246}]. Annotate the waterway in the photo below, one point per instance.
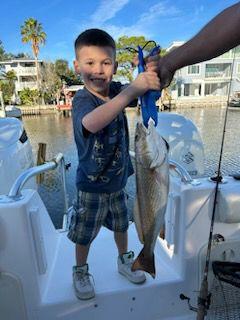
[{"x": 56, "y": 131}]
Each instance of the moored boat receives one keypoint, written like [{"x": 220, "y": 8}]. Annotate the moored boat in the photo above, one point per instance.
[{"x": 234, "y": 104}]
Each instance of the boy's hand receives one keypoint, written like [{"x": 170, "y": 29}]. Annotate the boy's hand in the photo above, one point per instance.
[{"x": 145, "y": 81}]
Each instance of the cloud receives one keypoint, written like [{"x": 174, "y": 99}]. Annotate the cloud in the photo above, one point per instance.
[
  {"x": 161, "y": 9},
  {"x": 144, "y": 24},
  {"x": 107, "y": 10}
]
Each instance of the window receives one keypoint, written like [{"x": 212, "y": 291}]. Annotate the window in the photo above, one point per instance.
[
  {"x": 192, "y": 89},
  {"x": 216, "y": 70},
  {"x": 194, "y": 69},
  {"x": 238, "y": 68}
]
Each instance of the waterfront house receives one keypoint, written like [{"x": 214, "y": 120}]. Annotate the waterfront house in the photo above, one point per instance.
[
  {"x": 25, "y": 70},
  {"x": 208, "y": 79}
]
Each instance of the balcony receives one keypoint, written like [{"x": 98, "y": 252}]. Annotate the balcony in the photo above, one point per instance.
[
  {"x": 27, "y": 84},
  {"x": 217, "y": 74},
  {"x": 27, "y": 71}
]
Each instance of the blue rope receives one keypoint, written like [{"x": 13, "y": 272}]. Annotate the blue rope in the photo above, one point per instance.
[{"x": 148, "y": 100}]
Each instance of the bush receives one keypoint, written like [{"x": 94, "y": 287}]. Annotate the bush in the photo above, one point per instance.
[
  {"x": 7, "y": 90},
  {"x": 28, "y": 96}
]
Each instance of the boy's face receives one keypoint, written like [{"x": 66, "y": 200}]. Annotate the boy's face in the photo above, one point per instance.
[{"x": 96, "y": 66}]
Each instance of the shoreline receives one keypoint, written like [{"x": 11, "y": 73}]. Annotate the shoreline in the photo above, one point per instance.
[{"x": 175, "y": 105}]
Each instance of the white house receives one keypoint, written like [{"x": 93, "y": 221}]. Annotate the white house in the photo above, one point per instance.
[
  {"x": 209, "y": 78},
  {"x": 25, "y": 71}
]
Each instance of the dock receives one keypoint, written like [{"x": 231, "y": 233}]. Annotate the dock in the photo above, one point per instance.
[{"x": 64, "y": 109}]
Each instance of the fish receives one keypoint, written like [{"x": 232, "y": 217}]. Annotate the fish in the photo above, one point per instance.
[{"x": 152, "y": 187}]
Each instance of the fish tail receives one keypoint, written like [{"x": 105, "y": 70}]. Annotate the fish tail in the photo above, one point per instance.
[{"x": 145, "y": 262}]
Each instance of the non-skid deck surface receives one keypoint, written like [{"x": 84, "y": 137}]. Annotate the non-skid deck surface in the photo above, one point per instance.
[{"x": 103, "y": 266}]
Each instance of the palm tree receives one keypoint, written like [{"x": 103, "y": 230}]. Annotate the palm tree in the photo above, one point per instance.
[{"x": 32, "y": 32}]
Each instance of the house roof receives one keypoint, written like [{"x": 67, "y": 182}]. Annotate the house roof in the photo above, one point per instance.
[{"x": 19, "y": 60}]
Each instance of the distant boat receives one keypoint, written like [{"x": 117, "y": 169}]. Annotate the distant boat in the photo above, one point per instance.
[
  {"x": 10, "y": 111},
  {"x": 234, "y": 104}
]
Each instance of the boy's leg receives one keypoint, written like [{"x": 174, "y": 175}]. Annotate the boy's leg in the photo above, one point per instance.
[
  {"x": 121, "y": 239},
  {"x": 84, "y": 227},
  {"x": 117, "y": 220},
  {"x": 81, "y": 254},
  {"x": 81, "y": 278}
]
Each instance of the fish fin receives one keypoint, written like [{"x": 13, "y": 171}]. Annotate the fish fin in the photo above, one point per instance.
[
  {"x": 145, "y": 263},
  {"x": 137, "y": 221}
]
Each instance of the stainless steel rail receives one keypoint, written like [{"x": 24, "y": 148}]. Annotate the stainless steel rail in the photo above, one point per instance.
[
  {"x": 181, "y": 171},
  {"x": 15, "y": 191}
]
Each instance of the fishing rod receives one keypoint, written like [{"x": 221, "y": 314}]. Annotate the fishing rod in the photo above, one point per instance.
[{"x": 204, "y": 296}]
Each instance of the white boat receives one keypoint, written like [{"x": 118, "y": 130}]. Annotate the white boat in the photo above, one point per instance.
[
  {"x": 36, "y": 259},
  {"x": 9, "y": 110},
  {"x": 234, "y": 103}
]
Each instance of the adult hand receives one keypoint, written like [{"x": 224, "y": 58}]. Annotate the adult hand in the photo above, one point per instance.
[{"x": 164, "y": 72}]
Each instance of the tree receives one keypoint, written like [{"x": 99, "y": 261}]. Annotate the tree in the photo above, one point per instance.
[
  {"x": 32, "y": 32},
  {"x": 2, "y": 51},
  {"x": 65, "y": 73},
  {"x": 125, "y": 56},
  {"x": 3, "y": 54},
  {"x": 51, "y": 82},
  {"x": 7, "y": 85}
]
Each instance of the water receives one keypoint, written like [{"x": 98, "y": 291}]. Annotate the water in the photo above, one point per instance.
[{"x": 57, "y": 132}]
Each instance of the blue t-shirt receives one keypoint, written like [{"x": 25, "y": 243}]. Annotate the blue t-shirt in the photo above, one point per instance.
[{"x": 103, "y": 158}]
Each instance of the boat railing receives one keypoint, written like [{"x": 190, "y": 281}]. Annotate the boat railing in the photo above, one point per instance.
[
  {"x": 58, "y": 160},
  {"x": 180, "y": 170}
]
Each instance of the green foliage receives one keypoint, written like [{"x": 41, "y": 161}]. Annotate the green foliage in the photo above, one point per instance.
[
  {"x": 51, "y": 82},
  {"x": 7, "y": 56},
  {"x": 9, "y": 76},
  {"x": 29, "y": 97},
  {"x": 125, "y": 57},
  {"x": 2, "y": 51},
  {"x": 7, "y": 89},
  {"x": 7, "y": 85},
  {"x": 3, "y": 54},
  {"x": 61, "y": 67},
  {"x": 66, "y": 74},
  {"x": 32, "y": 32}
]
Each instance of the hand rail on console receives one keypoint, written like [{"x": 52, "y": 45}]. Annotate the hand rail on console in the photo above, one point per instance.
[{"x": 181, "y": 171}]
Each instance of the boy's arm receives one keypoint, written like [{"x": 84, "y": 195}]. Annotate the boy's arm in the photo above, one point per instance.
[
  {"x": 104, "y": 114},
  {"x": 220, "y": 35}
]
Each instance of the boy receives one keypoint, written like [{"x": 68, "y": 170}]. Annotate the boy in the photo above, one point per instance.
[{"x": 101, "y": 136}]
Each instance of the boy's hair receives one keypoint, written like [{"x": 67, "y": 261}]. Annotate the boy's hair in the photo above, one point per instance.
[{"x": 94, "y": 37}]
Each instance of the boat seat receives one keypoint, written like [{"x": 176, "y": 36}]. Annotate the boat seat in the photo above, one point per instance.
[{"x": 228, "y": 205}]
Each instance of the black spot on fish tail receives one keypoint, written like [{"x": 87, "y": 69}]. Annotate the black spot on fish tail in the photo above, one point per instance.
[{"x": 145, "y": 262}]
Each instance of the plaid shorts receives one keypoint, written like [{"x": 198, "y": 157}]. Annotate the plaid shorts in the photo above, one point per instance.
[{"x": 93, "y": 211}]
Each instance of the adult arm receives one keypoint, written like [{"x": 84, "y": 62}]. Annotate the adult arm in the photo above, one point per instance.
[{"x": 221, "y": 34}]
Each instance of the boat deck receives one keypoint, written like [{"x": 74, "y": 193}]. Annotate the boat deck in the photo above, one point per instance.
[{"x": 110, "y": 286}]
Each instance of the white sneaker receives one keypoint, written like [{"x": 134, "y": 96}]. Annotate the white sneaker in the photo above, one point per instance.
[
  {"x": 81, "y": 281},
  {"x": 125, "y": 262}
]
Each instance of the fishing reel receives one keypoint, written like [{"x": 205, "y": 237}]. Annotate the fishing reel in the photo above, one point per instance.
[{"x": 204, "y": 303}]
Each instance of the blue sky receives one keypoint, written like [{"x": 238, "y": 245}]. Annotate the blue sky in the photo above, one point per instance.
[{"x": 163, "y": 21}]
